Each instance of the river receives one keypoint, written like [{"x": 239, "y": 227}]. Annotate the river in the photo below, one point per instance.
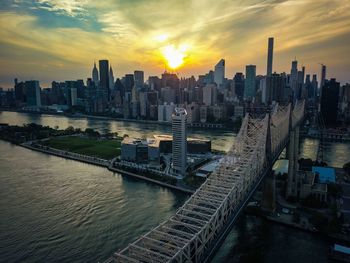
[{"x": 58, "y": 210}]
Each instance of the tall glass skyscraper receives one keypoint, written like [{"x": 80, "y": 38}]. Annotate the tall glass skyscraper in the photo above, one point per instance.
[
  {"x": 33, "y": 93},
  {"x": 219, "y": 73},
  {"x": 104, "y": 76},
  {"x": 250, "y": 86}
]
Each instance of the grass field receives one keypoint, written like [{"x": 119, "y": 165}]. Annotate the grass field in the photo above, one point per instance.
[{"x": 106, "y": 149}]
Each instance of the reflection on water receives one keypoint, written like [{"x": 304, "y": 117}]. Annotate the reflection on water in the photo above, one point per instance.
[
  {"x": 221, "y": 139},
  {"x": 58, "y": 210}
]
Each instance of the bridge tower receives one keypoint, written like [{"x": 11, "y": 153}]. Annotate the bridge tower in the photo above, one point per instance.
[
  {"x": 293, "y": 157},
  {"x": 269, "y": 187}
]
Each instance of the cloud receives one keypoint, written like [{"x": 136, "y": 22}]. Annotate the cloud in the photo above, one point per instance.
[
  {"x": 77, "y": 32},
  {"x": 67, "y": 7}
]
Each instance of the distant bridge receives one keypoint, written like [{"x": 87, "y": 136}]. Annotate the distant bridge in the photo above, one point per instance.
[{"x": 198, "y": 228}]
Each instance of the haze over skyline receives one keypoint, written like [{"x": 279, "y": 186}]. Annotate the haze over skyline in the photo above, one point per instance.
[{"x": 60, "y": 39}]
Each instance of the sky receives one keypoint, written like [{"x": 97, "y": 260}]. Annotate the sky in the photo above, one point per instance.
[{"x": 59, "y": 40}]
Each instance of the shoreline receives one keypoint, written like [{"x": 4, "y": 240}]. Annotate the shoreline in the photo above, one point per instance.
[
  {"x": 213, "y": 126},
  {"x": 102, "y": 163}
]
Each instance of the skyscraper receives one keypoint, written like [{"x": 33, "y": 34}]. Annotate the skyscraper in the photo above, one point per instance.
[
  {"x": 219, "y": 73},
  {"x": 238, "y": 82},
  {"x": 250, "y": 85},
  {"x": 209, "y": 94},
  {"x": 139, "y": 79},
  {"x": 104, "y": 76},
  {"x": 329, "y": 102},
  {"x": 323, "y": 78},
  {"x": 95, "y": 75},
  {"x": 269, "y": 56},
  {"x": 111, "y": 78},
  {"x": 33, "y": 93},
  {"x": 275, "y": 86},
  {"x": 294, "y": 79},
  {"x": 314, "y": 84},
  {"x": 323, "y": 75},
  {"x": 179, "y": 120}
]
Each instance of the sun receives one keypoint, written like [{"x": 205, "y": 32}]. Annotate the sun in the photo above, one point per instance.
[{"x": 174, "y": 56}]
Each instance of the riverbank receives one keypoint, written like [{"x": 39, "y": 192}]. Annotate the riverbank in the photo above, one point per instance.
[
  {"x": 215, "y": 126},
  {"x": 99, "y": 162},
  {"x": 177, "y": 188}
]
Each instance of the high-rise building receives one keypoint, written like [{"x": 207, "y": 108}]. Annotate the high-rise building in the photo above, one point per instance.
[
  {"x": 155, "y": 83},
  {"x": 219, "y": 73},
  {"x": 250, "y": 83},
  {"x": 104, "y": 76},
  {"x": 276, "y": 84},
  {"x": 139, "y": 79},
  {"x": 33, "y": 93},
  {"x": 238, "y": 83},
  {"x": 314, "y": 83},
  {"x": 323, "y": 78},
  {"x": 294, "y": 79},
  {"x": 179, "y": 149},
  {"x": 209, "y": 94},
  {"x": 74, "y": 96},
  {"x": 323, "y": 75},
  {"x": 299, "y": 90},
  {"x": 129, "y": 82},
  {"x": 95, "y": 78},
  {"x": 311, "y": 92},
  {"x": 20, "y": 92},
  {"x": 329, "y": 102},
  {"x": 111, "y": 78},
  {"x": 269, "y": 56}
]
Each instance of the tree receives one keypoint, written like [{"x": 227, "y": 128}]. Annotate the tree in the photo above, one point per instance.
[{"x": 70, "y": 130}]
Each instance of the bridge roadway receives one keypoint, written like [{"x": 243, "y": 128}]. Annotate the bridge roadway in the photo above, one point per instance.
[{"x": 198, "y": 228}]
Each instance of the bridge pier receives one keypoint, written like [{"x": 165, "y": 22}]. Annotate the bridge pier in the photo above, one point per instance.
[
  {"x": 293, "y": 166},
  {"x": 269, "y": 192}
]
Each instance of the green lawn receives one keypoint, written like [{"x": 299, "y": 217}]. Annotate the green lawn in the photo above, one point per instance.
[{"x": 106, "y": 149}]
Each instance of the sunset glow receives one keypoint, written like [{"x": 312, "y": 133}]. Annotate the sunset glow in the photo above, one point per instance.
[
  {"x": 67, "y": 36},
  {"x": 175, "y": 56}
]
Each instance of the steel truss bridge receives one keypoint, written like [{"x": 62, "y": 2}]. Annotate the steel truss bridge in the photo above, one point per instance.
[{"x": 198, "y": 228}]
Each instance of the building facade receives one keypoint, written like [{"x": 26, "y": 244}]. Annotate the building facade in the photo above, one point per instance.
[{"x": 179, "y": 149}]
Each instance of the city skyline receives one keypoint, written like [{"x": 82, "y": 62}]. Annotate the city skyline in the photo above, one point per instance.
[{"x": 67, "y": 36}]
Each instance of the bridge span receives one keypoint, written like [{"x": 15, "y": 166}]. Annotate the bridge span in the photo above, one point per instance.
[{"x": 198, "y": 228}]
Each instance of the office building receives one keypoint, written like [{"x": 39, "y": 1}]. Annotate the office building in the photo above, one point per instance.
[
  {"x": 314, "y": 84},
  {"x": 209, "y": 94},
  {"x": 219, "y": 73},
  {"x": 104, "y": 76},
  {"x": 179, "y": 149},
  {"x": 238, "y": 84},
  {"x": 128, "y": 82},
  {"x": 95, "y": 78},
  {"x": 269, "y": 56},
  {"x": 294, "y": 79},
  {"x": 111, "y": 78},
  {"x": 323, "y": 75},
  {"x": 33, "y": 93},
  {"x": 250, "y": 83},
  {"x": 20, "y": 93},
  {"x": 329, "y": 102},
  {"x": 134, "y": 150},
  {"x": 139, "y": 79}
]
